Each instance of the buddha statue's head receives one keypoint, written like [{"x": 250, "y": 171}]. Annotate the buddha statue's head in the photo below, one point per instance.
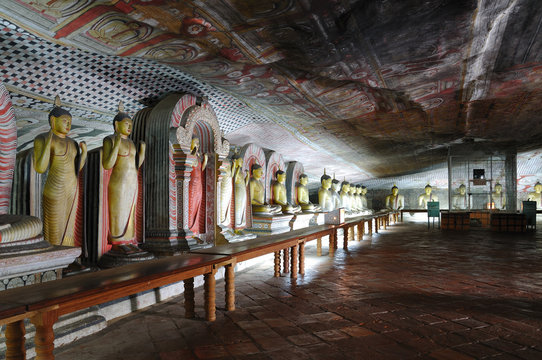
[
  {"x": 325, "y": 180},
  {"x": 280, "y": 176},
  {"x": 237, "y": 160},
  {"x": 60, "y": 120},
  {"x": 394, "y": 190},
  {"x": 123, "y": 124},
  {"x": 257, "y": 171},
  {"x": 498, "y": 188},
  {"x": 428, "y": 189},
  {"x": 363, "y": 190},
  {"x": 345, "y": 187},
  {"x": 462, "y": 189},
  {"x": 194, "y": 145},
  {"x": 538, "y": 188},
  {"x": 335, "y": 184},
  {"x": 303, "y": 179},
  {"x": 358, "y": 189}
]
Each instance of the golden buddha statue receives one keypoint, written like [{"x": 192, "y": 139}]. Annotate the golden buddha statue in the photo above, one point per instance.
[
  {"x": 120, "y": 155},
  {"x": 498, "y": 198},
  {"x": 344, "y": 195},
  {"x": 357, "y": 197},
  {"x": 240, "y": 183},
  {"x": 426, "y": 197},
  {"x": 195, "y": 188},
  {"x": 279, "y": 194},
  {"x": 325, "y": 198},
  {"x": 335, "y": 187},
  {"x": 394, "y": 201},
  {"x": 352, "y": 198},
  {"x": 363, "y": 198},
  {"x": 303, "y": 195},
  {"x": 459, "y": 201},
  {"x": 257, "y": 194},
  {"x": 56, "y": 151},
  {"x": 226, "y": 191},
  {"x": 536, "y": 195}
]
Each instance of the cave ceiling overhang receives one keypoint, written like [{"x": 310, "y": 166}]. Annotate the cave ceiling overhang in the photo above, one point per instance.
[{"x": 383, "y": 87}]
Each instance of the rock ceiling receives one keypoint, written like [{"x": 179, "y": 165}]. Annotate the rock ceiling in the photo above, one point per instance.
[{"x": 382, "y": 85}]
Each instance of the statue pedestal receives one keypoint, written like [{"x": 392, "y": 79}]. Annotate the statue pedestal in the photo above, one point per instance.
[
  {"x": 232, "y": 237},
  {"x": 114, "y": 258},
  {"x": 267, "y": 225},
  {"x": 33, "y": 266},
  {"x": 301, "y": 221},
  {"x": 169, "y": 243}
]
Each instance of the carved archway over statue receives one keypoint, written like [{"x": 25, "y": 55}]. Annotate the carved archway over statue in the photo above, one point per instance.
[
  {"x": 293, "y": 171},
  {"x": 167, "y": 128},
  {"x": 274, "y": 162}
]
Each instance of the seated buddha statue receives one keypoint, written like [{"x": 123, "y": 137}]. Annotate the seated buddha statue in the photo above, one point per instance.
[
  {"x": 325, "y": 198},
  {"x": 257, "y": 194},
  {"x": 357, "y": 197},
  {"x": 279, "y": 194},
  {"x": 303, "y": 195},
  {"x": 394, "y": 201},
  {"x": 536, "y": 195},
  {"x": 345, "y": 195},
  {"x": 352, "y": 198},
  {"x": 363, "y": 198},
  {"x": 498, "y": 198},
  {"x": 426, "y": 197},
  {"x": 335, "y": 186},
  {"x": 459, "y": 201}
]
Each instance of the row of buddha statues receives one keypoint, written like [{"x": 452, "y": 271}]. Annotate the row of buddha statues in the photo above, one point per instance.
[{"x": 334, "y": 194}]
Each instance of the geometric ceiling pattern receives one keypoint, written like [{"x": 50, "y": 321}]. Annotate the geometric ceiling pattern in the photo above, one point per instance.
[{"x": 379, "y": 87}]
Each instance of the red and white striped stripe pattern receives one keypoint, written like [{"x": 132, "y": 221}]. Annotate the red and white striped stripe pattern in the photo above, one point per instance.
[{"x": 8, "y": 148}]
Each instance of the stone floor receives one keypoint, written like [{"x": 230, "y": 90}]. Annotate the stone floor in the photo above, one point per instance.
[{"x": 407, "y": 292}]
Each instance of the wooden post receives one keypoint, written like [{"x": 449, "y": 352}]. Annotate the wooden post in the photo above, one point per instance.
[
  {"x": 210, "y": 295},
  {"x": 377, "y": 224},
  {"x": 15, "y": 349},
  {"x": 370, "y": 226},
  {"x": 286, "y": 260},
  {"x": 230, "y": 287},
  {"x": 277, "y": 264},
  {"x": 293, "y": 273},
  {"x": 361, "y": 230},
  {"x": 302, "y": 258},
  {"x": 319, "y": 246},
  {"x": 346, "y": 230},
  {"x": 189, "y": 303},
  {"x": 45, "y": 336},
  {"x": 332, "y": 238}
]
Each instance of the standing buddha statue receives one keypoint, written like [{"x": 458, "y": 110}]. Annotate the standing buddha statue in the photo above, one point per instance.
[
  {"x": 120, "y": 154},
  {"x": 240, "y": 183},
  {"x": 57, "y": 152},
  {"x": 195, "y": 188}
]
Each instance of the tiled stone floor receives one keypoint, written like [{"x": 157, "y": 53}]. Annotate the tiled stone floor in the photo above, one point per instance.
[{"x": 407, "y": 292}]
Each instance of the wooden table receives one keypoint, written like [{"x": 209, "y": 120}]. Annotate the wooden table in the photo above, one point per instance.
[{"x": 43, "y": 303}]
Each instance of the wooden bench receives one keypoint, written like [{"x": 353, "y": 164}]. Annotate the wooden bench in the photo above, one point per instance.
[{"x": 44, "y": 303}]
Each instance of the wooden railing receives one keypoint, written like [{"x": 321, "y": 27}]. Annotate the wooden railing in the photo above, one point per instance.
[{"x": 43, "y": 303}]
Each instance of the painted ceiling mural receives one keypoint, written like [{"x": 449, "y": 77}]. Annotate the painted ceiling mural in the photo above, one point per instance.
[{"x": 376, "y": 88}]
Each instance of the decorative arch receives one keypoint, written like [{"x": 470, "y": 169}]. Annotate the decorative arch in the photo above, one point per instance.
[
  {"x": 274, "y": 162},
  {"x": 293, "y": 171},
  {"x": 168, "y": 128},
  {"x": 202, "y": 119},
  {"x": 253, "y": 154},
  {"x": 8, "y": 148}
]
